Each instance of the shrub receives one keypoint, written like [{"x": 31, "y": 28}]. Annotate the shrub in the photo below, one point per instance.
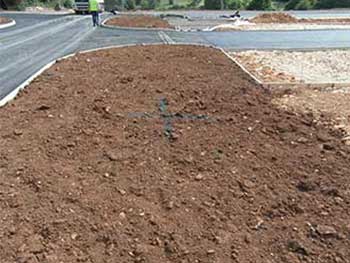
[
  {"x": 212, "y": 4},
  {"x": 260, "y": 5},
  {"x": 235, "y": 4},
  {"x": 67, "y": 3},
  {"x": 130, "y": 4},
  {"x": 300, "y": 4},
  {"x": 332, "y": 4},
  {"x": 148, "y": 4}
]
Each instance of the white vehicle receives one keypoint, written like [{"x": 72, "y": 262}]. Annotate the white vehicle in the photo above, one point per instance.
[{"x": 82, "y": 6}]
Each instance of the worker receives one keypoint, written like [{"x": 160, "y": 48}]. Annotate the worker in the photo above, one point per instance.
[{"x": 94, "y": 10}]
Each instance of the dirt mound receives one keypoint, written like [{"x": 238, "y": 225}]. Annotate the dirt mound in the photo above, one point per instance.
[
  {"x": 4, "y": 20},
  {"x": 166, "y": 154},
  {"x": 274, "y": 18},
  {"x": 139, "y": 21}
]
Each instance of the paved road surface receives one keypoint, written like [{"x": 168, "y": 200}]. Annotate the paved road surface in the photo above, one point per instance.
[
  {"x": 213, "y": 14},
  {"x": 38, "y": 39}
]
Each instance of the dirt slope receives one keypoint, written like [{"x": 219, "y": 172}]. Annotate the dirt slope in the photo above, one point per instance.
[{"x": 87, "y": 176}]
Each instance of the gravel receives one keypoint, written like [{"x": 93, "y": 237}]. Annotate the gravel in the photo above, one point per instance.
[
  {"x": 277, "y": 26},
  {"x": 327, "y": 66}
]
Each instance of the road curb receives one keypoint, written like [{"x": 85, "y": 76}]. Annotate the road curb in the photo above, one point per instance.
[
  {"x": 9, "y": 24},
  {"x": 12, "y": 95},
  {"x": 103, "y": 24}
]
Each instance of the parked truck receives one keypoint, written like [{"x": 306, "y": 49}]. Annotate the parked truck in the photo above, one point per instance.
[{"x": 82, "y": 6}]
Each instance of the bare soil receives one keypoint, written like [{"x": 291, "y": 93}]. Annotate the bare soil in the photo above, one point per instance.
[
  {"x": 4, "y": 20},
  {"x": 274, "y": 18},
  {"x": 279, "y": 18},
  {"x": 322, "y": 66},
  {"x": 258, "y": 67},
  {"x": 89, "y": 173},
  {"x": 139, "y": 21},
  {"x": 332, "y": 103}
]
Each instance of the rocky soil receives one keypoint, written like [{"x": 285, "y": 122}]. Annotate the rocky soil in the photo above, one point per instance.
[
  {"x": 328, "y": 66},
  {"x": 167, "y": 154},
  {"x": 138, "y": 21}
]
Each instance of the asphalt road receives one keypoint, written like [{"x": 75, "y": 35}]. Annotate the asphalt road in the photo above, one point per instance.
[
  {"x": 214, "y": 14},
  {"x": 38, "y": 39}
]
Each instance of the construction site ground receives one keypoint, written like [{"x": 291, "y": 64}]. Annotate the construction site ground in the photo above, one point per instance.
[
  {"x": 318, "y": 66},
  {"x": 265, "y": 21},
  {"x": 327, "y": 71},
  {"x": 138, "y": 21},
  {"x": 121, "y": 154}
]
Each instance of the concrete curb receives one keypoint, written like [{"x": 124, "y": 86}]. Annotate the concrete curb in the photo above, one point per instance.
[
  {"x": 258, "y": 81},
  {"x": 103, "y": 24},
  {"x": 9, "y": 24}
]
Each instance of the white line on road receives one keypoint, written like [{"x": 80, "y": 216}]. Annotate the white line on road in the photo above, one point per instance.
[
  {"x": 63, "y": 48},
  {"x": 48, "y": 31},
  {"x": 166, "y": 38}
]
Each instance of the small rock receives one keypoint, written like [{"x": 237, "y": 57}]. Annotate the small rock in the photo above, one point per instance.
[
  {"x": 199, "y": 177},
  {"x": 12, "y": 230},
  {"x": 174, "y": 136},
  {"x": 247, "y": 238},
  {"x": 346, "y": 140},
  {"x": 122, "y": 192},
  {"x": 326, "y": 231},
  {"x": 323, "y": 138},
  {"x": 211, "y": 251},
  {"x": 170, "y": 205},
  {"x": 122, "y": 215},
  {"x": 43, "y": 108},
  {"x": 295, "y": 247},
  {"x": 17, "y": 132},
  {"x": 259, "y": 224},
  {"x": 74, "y": 236},
  {"x": 328, "y": 147},
  {"x": 302, "y": 140},
  {"x": 112, "y": 156}
]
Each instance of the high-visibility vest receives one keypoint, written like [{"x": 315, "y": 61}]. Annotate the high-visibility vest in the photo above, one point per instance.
[{"x": 93, "y": 5}]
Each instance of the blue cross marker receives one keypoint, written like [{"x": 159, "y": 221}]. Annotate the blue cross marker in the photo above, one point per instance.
[{"x": 168, "y": 117}]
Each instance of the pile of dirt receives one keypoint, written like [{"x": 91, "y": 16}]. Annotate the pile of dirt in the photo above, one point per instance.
[
  {"x": 139, "y": 21},
  {"x": 4, "y": 20},
  {"x": 94, "y": 167},
  {"x": 274, "y": 18}
]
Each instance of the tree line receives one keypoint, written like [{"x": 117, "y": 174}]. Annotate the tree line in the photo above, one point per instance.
[{"x": 273, "y": 5}]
